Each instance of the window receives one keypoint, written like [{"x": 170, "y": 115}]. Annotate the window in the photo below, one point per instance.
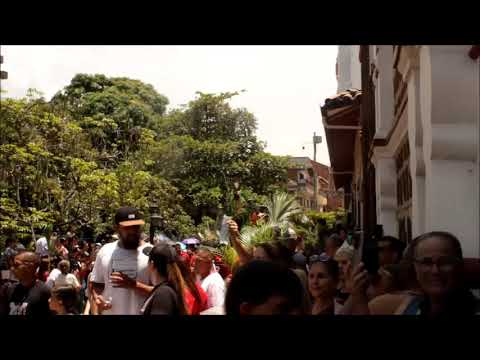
[{"x": 404, "y": 192}]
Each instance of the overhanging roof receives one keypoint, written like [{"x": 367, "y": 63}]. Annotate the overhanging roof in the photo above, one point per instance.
[{"x": 341, "y": 117}]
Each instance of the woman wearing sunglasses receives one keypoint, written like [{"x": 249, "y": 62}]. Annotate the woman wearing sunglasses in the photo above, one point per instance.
[{"x": 323, "y": 277}]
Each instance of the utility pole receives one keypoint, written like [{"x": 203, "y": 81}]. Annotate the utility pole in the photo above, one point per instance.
[{"x": 316, "y": 140}]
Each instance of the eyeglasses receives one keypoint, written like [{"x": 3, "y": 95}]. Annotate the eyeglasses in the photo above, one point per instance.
[{"x": 444, "y": 263}]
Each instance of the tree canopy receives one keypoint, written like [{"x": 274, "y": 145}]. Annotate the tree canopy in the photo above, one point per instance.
[{"x": 101, "y": 143}]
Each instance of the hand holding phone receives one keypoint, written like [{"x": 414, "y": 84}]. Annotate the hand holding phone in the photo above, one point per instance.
[
  {"x": 359, "y": 281},
  {"x": 224, "y": 230}
]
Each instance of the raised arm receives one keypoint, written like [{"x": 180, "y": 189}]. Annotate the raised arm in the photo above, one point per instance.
[{"x": 244, "y": 255}]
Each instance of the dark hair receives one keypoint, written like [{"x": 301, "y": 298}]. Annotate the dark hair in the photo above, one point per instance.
[
  {"x": 336, "y": 239},
  {"x": 330, "y": 264},
  {"x": 164, "y": 259},
  {"x": 395, "y": 244},
  {"x": 257, "y": 281},
  {"x": 189, "y": 280},
  {"x": 44, "y": 265},
  {"x": 278, "y": 253},
  {"x": 454, "y": 242},
  {"x": 68, "y": 295}
]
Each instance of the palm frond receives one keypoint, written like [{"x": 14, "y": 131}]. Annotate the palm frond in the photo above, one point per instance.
[
  {"x": 253, "y": 235},
  {"x": 281, "y": 207}
]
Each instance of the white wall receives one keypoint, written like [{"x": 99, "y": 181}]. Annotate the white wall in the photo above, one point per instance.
[
  {"x": 450, "y": 111},
  {"x": 384, "y": 97},
  {"x": 349, "y": 68},
  {"x": 355, "y": 67},
  {"x": 343, "y": 64}
]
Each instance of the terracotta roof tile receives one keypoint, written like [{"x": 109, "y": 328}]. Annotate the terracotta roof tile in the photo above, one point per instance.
[{"x": 344, "y": 98}]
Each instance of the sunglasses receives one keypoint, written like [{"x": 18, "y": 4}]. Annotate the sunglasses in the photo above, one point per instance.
[{"x": 319, "y": 258}]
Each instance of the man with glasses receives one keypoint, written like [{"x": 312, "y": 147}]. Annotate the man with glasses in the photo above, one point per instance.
[{"x": 29, "y": 296}]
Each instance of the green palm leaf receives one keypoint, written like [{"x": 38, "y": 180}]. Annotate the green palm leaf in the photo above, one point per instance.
[{"x": 281, "y": 207}]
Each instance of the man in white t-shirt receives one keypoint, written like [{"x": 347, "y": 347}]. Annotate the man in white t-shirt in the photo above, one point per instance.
[
  {"x": 120, "y": 279},
  {"x": 41, "y": 246},
  {"x": 210, "y": 280}
]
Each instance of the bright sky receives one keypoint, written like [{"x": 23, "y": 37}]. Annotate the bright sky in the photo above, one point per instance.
[{"x": 285, "y": 85}]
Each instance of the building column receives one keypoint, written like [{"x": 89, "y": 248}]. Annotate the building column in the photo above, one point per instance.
[
  {"x": 450, "y": 109},
  {"x": 386, "y": 193},
  {"x": 415, "y": 140}
]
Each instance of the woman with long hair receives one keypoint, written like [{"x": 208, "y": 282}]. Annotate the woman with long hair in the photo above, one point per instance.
[
  {"x": 323, "y": 277},
  {"x": 167, "y": 297},
  {"x": 196, "y": 299}
]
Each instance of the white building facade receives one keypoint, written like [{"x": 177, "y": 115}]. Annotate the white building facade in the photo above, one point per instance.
[
  {"x": 427, "y": 134},
  {"x": 348, "y": 68}
]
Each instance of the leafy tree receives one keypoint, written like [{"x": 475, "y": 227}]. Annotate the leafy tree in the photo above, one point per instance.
[
  {"x": 114, "y": 111},
  {"x": 210, "y": 118},
  {"x": 105, "y": 142}
]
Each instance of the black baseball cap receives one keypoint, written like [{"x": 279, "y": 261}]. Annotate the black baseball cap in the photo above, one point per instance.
[
  {"x": 128, "y": 216},
  {"x": 161, "y": 253}
]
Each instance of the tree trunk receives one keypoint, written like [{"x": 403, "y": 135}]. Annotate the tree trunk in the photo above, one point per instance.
[
  {"x": 33, "y": 231},
  {"x": 18, "y": 191}
]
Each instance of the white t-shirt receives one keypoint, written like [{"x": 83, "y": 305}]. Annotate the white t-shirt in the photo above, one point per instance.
[
  {"x": 41, "y": 246},
  {"x": 214, "y": 286},
  {"x": 68, "y": 279},
  {"x": 133, "y": 263},
  {"x": 52, "y": 277}
]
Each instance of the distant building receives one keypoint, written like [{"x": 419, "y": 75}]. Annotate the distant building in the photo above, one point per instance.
[{"x": 301, "y": 180}]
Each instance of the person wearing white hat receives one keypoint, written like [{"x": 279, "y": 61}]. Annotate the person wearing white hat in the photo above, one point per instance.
[{"x": 344, "y": 257}]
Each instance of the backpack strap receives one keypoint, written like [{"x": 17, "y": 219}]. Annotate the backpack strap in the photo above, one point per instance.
[{"x": 413, "y": 308}]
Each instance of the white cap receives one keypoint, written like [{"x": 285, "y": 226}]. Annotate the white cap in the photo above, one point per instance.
[{"x": 346, "y": 250}]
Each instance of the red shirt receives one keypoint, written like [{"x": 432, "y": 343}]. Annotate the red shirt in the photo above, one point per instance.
[
  {"x": 193, "y": 306},
  {"x": 43, "y": 276},
  {"x": 184, "y": 255}
]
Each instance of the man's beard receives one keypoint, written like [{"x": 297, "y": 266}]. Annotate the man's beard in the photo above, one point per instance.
[{"x": 131, "y": 241}]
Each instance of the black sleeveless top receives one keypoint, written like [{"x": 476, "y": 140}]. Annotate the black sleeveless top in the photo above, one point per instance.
[{"x": 162, "y": 301}]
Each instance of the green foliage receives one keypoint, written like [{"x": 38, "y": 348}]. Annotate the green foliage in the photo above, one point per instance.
[
  {"x": 101, "y": 143},
  {"x": 281, "y": 210},
  {"x": 112, "y": 110},
  {"x": 281, "y": 207},
  {"x": 331, "y": 217}
]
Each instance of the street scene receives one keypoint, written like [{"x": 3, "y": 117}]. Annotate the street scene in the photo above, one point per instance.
[{"x": 240, "y": 180}]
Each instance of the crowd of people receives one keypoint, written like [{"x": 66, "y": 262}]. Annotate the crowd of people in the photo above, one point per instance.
[{"x": 128, "y": 275}]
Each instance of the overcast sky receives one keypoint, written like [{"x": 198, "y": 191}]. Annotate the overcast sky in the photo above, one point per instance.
[{"x": 285, "y": 85}]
